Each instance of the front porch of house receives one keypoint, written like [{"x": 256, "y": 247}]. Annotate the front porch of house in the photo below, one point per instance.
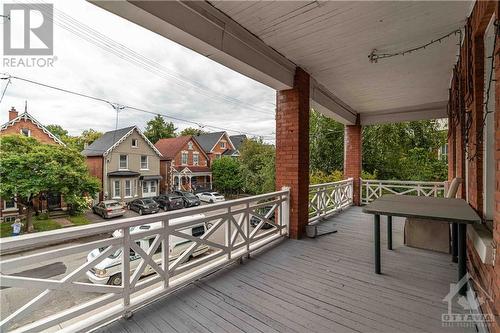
[{"x": 325, "y": 284}]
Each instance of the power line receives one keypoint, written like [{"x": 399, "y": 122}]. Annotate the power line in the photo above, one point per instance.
[
  {"x": 94, "y": 37},
  {"x": 120, "y": 106}
]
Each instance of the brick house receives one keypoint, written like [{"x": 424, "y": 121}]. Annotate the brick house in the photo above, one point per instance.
[
  {"x": 237, "y": 141},
  {"x": 126, "y": 163},
  {"x": 215, "y": 144},
  {"x": 184, "y": 165},
  {"x": 25, "y": 124}
]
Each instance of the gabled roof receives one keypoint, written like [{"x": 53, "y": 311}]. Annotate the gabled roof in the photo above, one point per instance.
[
  {"x": 28, "y": 117},
  {"x": 110, "y": 140},
  {"x": 209, "y": 140},
  {"x": 170, "y": 147},
  {"x": 237, "y": 140}
]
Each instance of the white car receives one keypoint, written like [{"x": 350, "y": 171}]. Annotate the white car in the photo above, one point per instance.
[{"x": 211, "y": 197}]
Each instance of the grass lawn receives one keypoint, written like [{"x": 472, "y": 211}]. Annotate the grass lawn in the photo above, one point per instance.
[
  {"x": 39, "y": 225},
  {"x": 79, "y": 219}
]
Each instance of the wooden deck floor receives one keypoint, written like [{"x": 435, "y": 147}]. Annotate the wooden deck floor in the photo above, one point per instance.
[{"x": 313, "y": 285}]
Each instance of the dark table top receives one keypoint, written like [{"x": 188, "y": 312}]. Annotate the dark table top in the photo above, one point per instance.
[{"x": 431, "y": 208}]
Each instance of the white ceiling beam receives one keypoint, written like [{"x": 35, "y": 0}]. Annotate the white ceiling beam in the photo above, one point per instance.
[
  {"x": 426, "y": 111},
  {"x": 201, "y": 27},
  {"x": 325, "y": 102}
]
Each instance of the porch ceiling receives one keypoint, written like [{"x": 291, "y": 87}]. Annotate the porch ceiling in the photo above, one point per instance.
[{"x": 331, "y": 40}]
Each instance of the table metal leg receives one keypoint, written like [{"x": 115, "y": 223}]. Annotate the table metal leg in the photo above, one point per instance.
[
  {"x": 389, "y": 232},
  {"x": 376, "y": 235},
  {"x": 454, "y": 242},
  {"x": 462, "y": 254}
]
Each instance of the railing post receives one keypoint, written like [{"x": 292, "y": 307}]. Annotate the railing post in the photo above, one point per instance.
[
  {"x": 165, "y": 244},
  {"x": 228, "y": 235},
  {"x": 286, "y": 210},
  {"x": 126, "y": 269}
]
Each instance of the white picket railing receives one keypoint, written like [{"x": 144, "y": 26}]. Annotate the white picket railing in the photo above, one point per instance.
[
  {"x": 231, "y": 219},
  {"x": 373, "y": 189},
  {"x": 328, "y": 198}
]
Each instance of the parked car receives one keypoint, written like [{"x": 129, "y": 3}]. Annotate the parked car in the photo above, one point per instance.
[
  {"x": 211, "y": 197},
  {"x": 144, "y": 206},
  {"x": 169, "y": 201},
  {"x": 108, "y": 208},
  {"x": 190, "y": 200},
  {"x": 108, "y": 271},
  {"x": 262, "y": 211}
]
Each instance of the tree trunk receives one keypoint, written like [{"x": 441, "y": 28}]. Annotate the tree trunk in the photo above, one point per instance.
[{"x": 29, "y": 225}]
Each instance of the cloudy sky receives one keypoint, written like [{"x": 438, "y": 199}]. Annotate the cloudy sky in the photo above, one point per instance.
[{"x": 161, "y": 77}]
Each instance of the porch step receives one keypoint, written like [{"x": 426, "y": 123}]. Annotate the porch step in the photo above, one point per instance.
[{"x": 58, "y": 213}]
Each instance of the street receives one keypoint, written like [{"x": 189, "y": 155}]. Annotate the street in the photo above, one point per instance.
[{"x": 14, "y": 298}]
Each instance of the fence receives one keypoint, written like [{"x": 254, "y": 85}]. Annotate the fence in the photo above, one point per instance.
[
  {"x": 373, "y": 189},
  {"x": 328, "y": 198},
  {"x": 232, "y": 229}
]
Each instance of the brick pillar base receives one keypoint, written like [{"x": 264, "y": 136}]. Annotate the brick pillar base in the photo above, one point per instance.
[
  {"x": 352, "y": 158},
  {"x": 292, "y": 149}
]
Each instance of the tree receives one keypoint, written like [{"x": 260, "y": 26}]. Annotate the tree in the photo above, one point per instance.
[
  {"x": 86, "y": 138},
  {"x": 58, "y": 131},
  {"x": 29, "y": 167},
  {"x": 326, "y": 143},
  {"x": 76, "y": 142},
  {"x": 257, "y": 161},
  {"x": 226, "y": 175},
  {"x": 157, "y": 128},
  {"x": 192, "y": 131}
]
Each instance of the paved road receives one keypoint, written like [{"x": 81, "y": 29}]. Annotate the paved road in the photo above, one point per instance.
[{"x": 13, "y": 298}]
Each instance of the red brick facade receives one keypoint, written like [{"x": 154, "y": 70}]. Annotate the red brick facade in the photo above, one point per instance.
[
  {"x": 466, "y": 112},
  {"x": 292, "y": 149},
  {"x": 218, "y": 150},
  {"x": 353, "y": 158},
  {"x": 96, "y": 166}
]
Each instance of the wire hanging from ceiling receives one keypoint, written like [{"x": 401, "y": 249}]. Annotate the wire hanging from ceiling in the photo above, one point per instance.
[{"x": 374, "y": 56}]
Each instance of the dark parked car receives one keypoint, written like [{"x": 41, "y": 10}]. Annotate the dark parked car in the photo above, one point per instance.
[
  {"x": 190, "y": 200},
  {"x": 108, "y": 209},
  {"x": 254, "y": 220},
  {"x": 169, "y": 201},
  {"x": 144, "y": 206}
]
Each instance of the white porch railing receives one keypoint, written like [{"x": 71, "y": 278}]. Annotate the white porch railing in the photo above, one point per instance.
[
  {"x": 328, "y": 198},
  {"x": 229, "y": 236},
  {"x": 373, "y": 189}
]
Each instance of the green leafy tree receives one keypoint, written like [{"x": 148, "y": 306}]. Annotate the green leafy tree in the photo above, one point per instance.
[
  {"x": 29, "y": 167},
  {"x": 326, "y": 143},
  {"x": 76, "y": 142},
  {"x": 227, "y": 175},
  {"x": 192, "y": 131},
  {"x": 157, "y": 128},
  {"x": 58, "y": 131},
  {"x": 257, "y": 161}
]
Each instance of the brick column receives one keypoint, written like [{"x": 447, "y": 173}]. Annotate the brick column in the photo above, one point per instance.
[
  {"x": 292, "y": 149},
  {"x": 352, "y": 158}
]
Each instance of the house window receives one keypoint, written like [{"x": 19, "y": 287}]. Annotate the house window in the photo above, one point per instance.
[
  {"x": 144, "y": 162},
  {"x": 223, "y": 145},
  {"x": 123, "y": 162},
  {"x": 135, "y": 187},
  {"x": 9, "y": 204},
  {"x": 443, "y": 152},
  {"x": 184, "y": 157},
  {"x": 116, "y": 189},
  {"x": 217, "y": 156},
  {"x": 190, "y": 145},
  {"x": 25, "y": 132},
  {"x": 128, "y": 188},
  {"x": 145, "y": 187},
  {"x": 196, "y": 159},
  {"x": 153, "y": 186},
  {"x": 135, "y": 143}
]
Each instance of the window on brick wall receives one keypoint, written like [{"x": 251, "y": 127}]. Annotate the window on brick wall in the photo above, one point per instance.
[
  {"x": 196, "y": 159},
  {"x": 184, "y": 158}
]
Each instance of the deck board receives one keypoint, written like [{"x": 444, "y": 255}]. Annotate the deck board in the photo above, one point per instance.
[{"x": 325, "y": 284}]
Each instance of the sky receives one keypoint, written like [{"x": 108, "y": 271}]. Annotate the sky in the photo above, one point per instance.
[{"x": 181, "y": 83}]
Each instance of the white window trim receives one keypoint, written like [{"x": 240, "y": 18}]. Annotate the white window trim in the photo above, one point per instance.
[
  {"x": 147, "y": 162},
  {"x": 137, "y": 143},
  {"x": 13, "y": 209},
  {"x": 223, "y": 144},
  {"x": 187, "y": 159},
  {"x": 119, "y": 162},
  {"x": 197, "y": 158},
  {"x": 114, "y": 189},
  {"x": 29, "y": 132},
  {"x": 190, "y": 145},
  {"x": 125, "y": 188}
]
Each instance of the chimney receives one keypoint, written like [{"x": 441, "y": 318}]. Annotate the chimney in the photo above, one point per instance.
[{"x": 12, "y": 113}]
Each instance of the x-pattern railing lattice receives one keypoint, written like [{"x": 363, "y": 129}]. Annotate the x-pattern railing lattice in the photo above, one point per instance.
[{"x": 373, "y": 189}]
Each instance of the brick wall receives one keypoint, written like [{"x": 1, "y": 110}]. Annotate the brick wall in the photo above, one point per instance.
[
  {"x": 36, "y": 132},
  {"x": 292, "y": 149},
  {"x": 203, "y": 161},
  {"x": 95, "y": 165},
  {"x": 353, "y": 158},
  {"x": 466, "y": 107}
]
